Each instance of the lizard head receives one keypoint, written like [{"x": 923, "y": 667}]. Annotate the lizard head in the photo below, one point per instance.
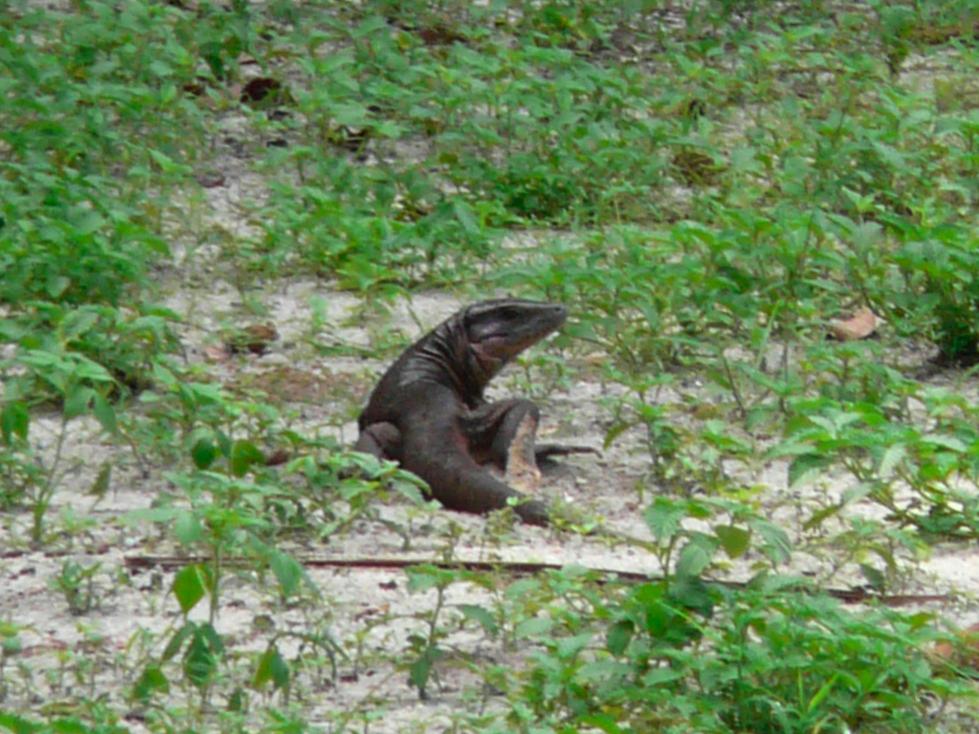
[{"x": 498, "y": 330}]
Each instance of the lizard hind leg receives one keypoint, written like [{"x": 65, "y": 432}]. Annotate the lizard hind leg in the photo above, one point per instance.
[
  {"x": 505, "y": 433},
  {"x": 381, "y": 439},
  {"x": 521, "y": 463}
]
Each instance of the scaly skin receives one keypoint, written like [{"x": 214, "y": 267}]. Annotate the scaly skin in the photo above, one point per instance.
[{"x": 428, "y": 411}]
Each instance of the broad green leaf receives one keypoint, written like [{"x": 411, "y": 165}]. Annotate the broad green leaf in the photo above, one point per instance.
[
  {"x": 792, "y": 447},
  {"x": 86, "y": 369},
  {"x": 693, "y": 594},
  {"x": 424, "y": 577},
  {"x": 243, "y": 455},
  {"x": 695, "y": 556},
  {"x": 87, "y": 222},
  {"x": 77, "y": 401},
  {"x": 56, "y": 285},
  {"x": 874, "y": 576},
  {"x": 14, "y": 421},
  {"x": 101, "y": 484},
  {"x": 370, "y": 25},
  {"x": 203, "y": 452},
  {"x": 533, "y": 627},
  {"x": 152, "y": 680},
  {"x": 421, "y": 669},
  {"x": 892, "y": 457},
  {"x": 824, "y": 690},
  {"x": 187, "y": 527},
  {"x": 619, "y": 636},
  {"x": 734, "y": 540},
  {"x": 288, "y": 571},
  {"x": 80, "y": 322},
  {"x": 602, "y": 722},
  {"x": 858, "y": 492},
  {"x": 214, "y": 639},
  {"x": 480, "y": 615},
  {"x": 105, "y": 413},
  {"x": 421, "y": 581},
  {"x": 465, "y": 216},
  {"x": 948, "y": 442},
  {"x": 777, "y": 545},
  {"x": 806, "y": 467},
  {"x": 659, "y": 676},
  {"x": 410, "y": 487},
  {"x": 163, "y": 375},
  {"x": 522, "y": 588},
  {"x": 236, "y": 701},
  {"x": 820, "y": 516},
  {"x": 271, "y": 667},
  {"x": 663, "y": 518},
  {"x": 569, "y": 647},
  {"x": 200, "y": 661},
  {"x": 616, "y": 430},
  {"x": 177, "y": 640},
  {"x": 167, "y": 164},
  {"x": 190, "y": 585}
]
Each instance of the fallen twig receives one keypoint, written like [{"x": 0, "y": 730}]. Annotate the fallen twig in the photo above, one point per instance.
[{"x": 522, "y": 568}]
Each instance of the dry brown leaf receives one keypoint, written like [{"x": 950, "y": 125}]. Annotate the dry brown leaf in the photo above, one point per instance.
[
  {"x": 254, "y": 338},
  {"x": 217, "y": 353},
  {"x": 439, "y": 35},
  {"x": 256, "y": 90},
  {"x": 967, "y": 654},
  {"x": 859, "y": 326},
  {"x": 210, "y": 179},
  {"x": 277, "y": 457}
]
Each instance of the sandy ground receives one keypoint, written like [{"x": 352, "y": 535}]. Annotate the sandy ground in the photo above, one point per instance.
[
  {"x": 138, "y": 601},
  {"x": 369, "y": 612}
]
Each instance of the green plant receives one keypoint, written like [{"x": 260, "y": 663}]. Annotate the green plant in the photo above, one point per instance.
[
  {"x": 81, "y": 385},
  {"x": 224, "y": 517},
  {"x": 80, "y": 99},
  {"x": 887, "y": 456},
  {"x": 795, "y": 663},
  {"x": 424, "y": 649},
  {"x": 125, "y": 342},
  {"x": 10, "y": 645},
  {"x": 681, "y": 655},
  {"x": 19, "y": 472},
  {"x": 77, "y": 583},
  {"x": 16, "y": 723}
]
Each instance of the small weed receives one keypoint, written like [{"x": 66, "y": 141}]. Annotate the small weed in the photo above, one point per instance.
[{"x": 76, "y": 582}]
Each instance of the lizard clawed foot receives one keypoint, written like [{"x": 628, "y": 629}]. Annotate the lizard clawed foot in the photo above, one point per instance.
[{"x": 533, "y": 512}]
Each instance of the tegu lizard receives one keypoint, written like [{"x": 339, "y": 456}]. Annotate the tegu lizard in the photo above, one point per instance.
[{"x": 428, "y": 412}]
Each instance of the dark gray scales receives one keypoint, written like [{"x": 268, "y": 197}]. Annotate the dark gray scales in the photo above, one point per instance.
[{"x": 428, "y": 411}]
